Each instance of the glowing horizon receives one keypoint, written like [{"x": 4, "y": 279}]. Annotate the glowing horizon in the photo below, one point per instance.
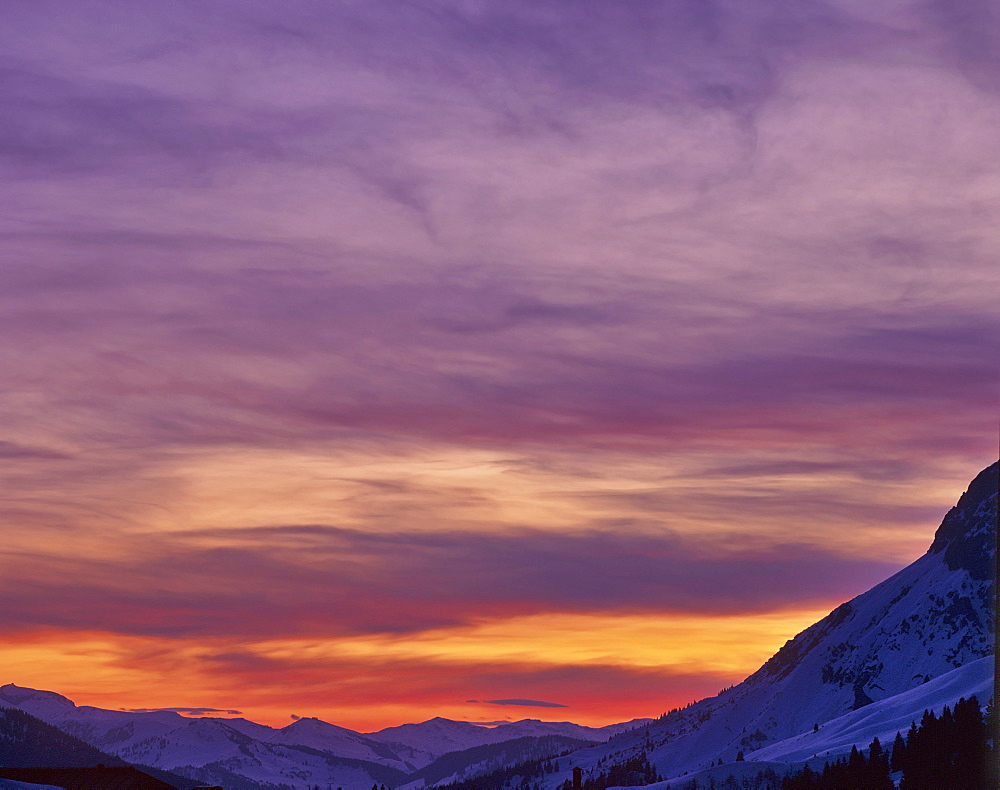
[{"x": 696, "y": 649}]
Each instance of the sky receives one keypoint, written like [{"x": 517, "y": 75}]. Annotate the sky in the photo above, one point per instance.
[{"x": 560, "y": 359}]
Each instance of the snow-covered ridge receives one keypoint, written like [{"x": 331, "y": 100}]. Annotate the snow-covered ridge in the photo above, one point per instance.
[
  {"x": 309, "y": 747},
  {"x": 437, "y": 734},
  {"x": 883, "y": 719},
  {"x": 835, "y": 738}
]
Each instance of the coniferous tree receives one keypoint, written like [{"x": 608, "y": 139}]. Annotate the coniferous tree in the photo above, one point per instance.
[
  {"x": 968, "y": 752},
  {"x": 898, "y": 753},
  {"x": 878, "y": 768},
  {"x": 946, "y": 751},
  {"x": 856, "y": 763}
]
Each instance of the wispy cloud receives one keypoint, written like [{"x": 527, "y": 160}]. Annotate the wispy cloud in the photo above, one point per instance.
[{"x": 300, "y": 580}]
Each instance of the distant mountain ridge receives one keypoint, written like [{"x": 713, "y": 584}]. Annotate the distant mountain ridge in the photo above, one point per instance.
[
  {"x": 241, "y": 754},
  {"x": 438, "y": 733}
]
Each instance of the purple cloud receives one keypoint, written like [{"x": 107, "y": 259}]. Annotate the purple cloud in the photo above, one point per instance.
[
  {"x": 531, "y": 703},
  {"x": 586, "y": 688},
  {"x": 185, "y": 711},
  {"x": 316, "y": 579},
  {"x": 11, "y": 450}
]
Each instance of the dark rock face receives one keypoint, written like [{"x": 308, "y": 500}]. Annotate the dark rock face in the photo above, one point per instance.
[
  {"x": 789, "y": 656},
  {"x": 967, "y": 536}
]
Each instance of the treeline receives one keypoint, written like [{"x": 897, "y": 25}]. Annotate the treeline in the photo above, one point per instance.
[
  {"x": 663, "y": 716},
  {"x": 946, "y": 751},
  {"x": 27, "y": 742},
  {"x": 520, "y": 775},
  {"x": 631, "y": 773},
  {"x": 763, "y": 780}
]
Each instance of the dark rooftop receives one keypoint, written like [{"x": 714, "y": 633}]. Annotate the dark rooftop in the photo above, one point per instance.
[{"x": 98, "y": 778}]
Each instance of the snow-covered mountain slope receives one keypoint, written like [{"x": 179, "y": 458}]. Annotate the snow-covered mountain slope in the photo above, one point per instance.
[
  {"x": 479, "y": 760},
  {"x": 883, "y": 719},
  {"x": 317, "y": 734},
  {"x": 259, "y": 731},
  {"x": 537, "y": 729},
  {"x": 834, "y": 739},
  {"x": 237, "y": 751},
  {"x": 203, "y": 745},
  {"x": 209, "y": 748},
  {"x": 611, "y": 730},
  {"x": 27, "y": 741},
  {"x": 441, "y": 736},
  {"x": 725, "y": 775},
  {"x": 933, "y": 616},
  {"x": 437, "y": 736},
  {"x": 197, "y": 742},
  {"x": 108, "y": 730}
]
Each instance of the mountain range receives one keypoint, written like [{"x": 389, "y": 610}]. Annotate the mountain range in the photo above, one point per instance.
[
  {"x": 919, "y": 640},
  {"x": 239, "y": 753}
]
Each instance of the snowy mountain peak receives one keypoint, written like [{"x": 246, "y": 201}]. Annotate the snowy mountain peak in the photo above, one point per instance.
[
  {"x": 17, "y": 695},
  {"x": 311, "y": 724},
  {"x": 965, "y": 536},
  {"x": 307, "y": 722},
  {"x": 440, "y": 721}
]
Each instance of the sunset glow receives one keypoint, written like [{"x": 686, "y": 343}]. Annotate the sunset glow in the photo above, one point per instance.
[
  {"x": 362, "y": 359},
  {"x": 704, "y": 650}
]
